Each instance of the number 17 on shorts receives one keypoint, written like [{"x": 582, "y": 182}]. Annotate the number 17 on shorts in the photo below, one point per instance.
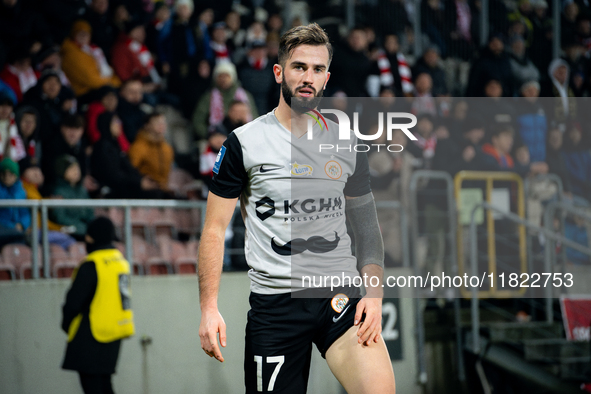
[{"x": 277, "y": 361}]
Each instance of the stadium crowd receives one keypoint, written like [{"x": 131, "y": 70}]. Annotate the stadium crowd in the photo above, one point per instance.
[{"x": 88, "y": 89}]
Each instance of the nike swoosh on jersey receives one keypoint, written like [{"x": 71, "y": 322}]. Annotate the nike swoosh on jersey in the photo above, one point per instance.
[
  {"x": 336, "y": 319},
  {"x": 267, "y": 169}
]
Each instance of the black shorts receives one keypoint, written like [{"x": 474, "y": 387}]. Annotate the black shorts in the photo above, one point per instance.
[{"x": 280, "y": 332}]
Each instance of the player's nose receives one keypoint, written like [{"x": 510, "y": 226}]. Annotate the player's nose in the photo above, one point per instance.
[{"x": 308, "y": 76}]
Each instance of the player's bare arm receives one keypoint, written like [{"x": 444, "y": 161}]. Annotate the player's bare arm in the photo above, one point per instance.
[
  {"x": 370, "y": 251},
  {"x": 211, "y": 249}
]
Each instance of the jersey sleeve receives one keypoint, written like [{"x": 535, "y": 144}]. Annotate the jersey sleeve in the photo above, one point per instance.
[
  {"x": 229, "y": 175},
  {"x": 358, "y": 184}
]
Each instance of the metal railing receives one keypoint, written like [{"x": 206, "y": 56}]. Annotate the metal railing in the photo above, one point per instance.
[
  {"x": 475, "y": 311},
  {"x": 490, "y": 178},
  {"x": 416, "y": 177},
  {"x": 527, "y": 182},
  {"x": 44, "y": 205}
]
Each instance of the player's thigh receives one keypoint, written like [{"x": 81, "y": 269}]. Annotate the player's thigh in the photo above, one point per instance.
[{"x": 361, "y": 369}]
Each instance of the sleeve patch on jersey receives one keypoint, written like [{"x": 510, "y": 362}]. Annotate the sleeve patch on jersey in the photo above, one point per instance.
[{"x": 218, "y": 160}]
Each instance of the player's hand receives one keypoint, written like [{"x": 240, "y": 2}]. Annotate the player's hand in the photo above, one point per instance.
[
  {"x": 371, "y": 328},
  {"x": 211, "y": 324}
]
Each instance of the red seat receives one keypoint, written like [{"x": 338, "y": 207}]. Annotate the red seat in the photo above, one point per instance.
[
  {"x": 140, "y": 222},
  {"x": 62, "y": 264},
  {"x": 175, "y": 252},
  {"x": 138, "y": 269},
  {"x": 77, "y": 251},
  {"x": 7, "y": 271},
  {"x": 182, "y": 183},
  {"x": 162, "y": 222},
  {"x": 20, "y": 257},
  {"x": 149, "y": 257},
  {"x": 188, "y": 221},
  {"x": 117, "y": 216}
]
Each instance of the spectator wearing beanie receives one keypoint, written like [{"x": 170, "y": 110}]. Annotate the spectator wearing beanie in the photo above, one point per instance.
[
  {"x": 69, "y": 186},
  {"x": 84, "y": 63},
  {"x": 150, "y": 153},
  {"x": 522, "y": 67},
  {"x": 49, "y": 58},
  {"x": 98, "y": 16},
  {"x": 256, "y": 74},
  {"x": 531, "y": 121},
  {"x": 182, "y": 47},
  {"x": 13, "y": 221},
  {"x": 577, "y": 159},
  {"x": 493, "y": 63},
  {"x": 6, "y": 91},
  {"x": 213, "y": 105},
  {"x": 68, "y": 142}
]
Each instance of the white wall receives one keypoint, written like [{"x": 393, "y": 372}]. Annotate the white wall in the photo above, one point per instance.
[{"x": 167, "y": 310}]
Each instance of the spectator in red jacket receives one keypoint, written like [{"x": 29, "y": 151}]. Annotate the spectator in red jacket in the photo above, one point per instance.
[
  {"x": 132, "y": 59},
  {"x": 18, "y": 73},
  {"x": 108, "y": 103}
]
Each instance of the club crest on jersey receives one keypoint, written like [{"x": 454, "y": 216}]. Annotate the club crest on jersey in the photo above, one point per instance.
[
  {"x": 218, "y": 160},
  {"x": 301, "y": 169},
  {"x": 333, "y": 169},
  {"x": 339, "y": 302}
]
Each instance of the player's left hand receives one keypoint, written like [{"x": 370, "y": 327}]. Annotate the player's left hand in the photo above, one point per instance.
[{"x": 371, "y": 328}]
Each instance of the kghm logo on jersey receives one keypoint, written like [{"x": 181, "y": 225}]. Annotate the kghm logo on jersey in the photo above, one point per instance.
[
  {"x": 301, "y": 169},
  {"x": 339, "y": 302},
  {"x": 317, "y": 117},
  {"x": 333, "y": 169}
]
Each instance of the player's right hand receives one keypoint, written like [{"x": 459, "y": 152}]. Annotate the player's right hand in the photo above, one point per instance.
[{"x": 211, "y": 324}]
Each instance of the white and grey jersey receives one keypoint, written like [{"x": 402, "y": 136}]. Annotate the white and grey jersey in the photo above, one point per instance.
[{"x": 292, "y": 201}]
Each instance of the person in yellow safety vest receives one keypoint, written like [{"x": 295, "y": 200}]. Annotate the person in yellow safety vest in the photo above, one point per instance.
[{"x": 97, "y": 312}]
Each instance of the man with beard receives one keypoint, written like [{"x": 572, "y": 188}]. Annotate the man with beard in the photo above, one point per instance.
[{"x": 268, "y": 163}]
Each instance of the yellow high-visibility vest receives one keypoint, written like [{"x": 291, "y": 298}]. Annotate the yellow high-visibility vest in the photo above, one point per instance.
[{"x": 110, "y": 314}]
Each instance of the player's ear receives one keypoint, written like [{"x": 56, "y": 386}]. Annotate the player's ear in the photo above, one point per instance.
[
  {"x": 327, "y": 78},
  {"x": 278, "y": 72}
]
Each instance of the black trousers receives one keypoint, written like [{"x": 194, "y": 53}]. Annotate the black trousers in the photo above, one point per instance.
[{"x": 96, "y": 384}]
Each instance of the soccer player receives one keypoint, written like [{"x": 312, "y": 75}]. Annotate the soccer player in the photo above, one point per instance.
[{"x": 269, "y": 165}]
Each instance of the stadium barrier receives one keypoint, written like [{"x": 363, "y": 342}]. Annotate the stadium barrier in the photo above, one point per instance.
[{"x": 549, "y": 266}]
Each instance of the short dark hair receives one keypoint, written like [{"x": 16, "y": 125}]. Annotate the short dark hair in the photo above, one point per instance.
[
  {"x": 155, "y": 114},
  {"x": 500, "y": 129},
  {"x": 6, "y": 100},
  {"x": 311, "y": 34},
  {"x": 72, "y": 121},
  {"x": 236, "y": 102},
  {"x": 128, "y": 81}
]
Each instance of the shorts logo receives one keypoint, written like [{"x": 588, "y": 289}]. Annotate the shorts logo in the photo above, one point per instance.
[
  {"x": 301, "y": 169},
  {"x": 339, "y": 302},
  {"x": 218, "y": 160},
  {"x": 333, "y": 169}
]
